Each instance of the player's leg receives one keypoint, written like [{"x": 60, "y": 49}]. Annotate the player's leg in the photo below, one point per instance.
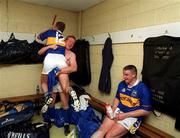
[
  {"x": 105, "y": 126},
  {"x": 116, "y": 131},
  {"x": 47, "y": 95},
  {"x": 64, "y": 81}
]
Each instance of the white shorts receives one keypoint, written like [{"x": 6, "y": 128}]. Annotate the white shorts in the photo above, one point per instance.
[
  {"x": 53, "y": 60},
  {"x": 128, "y": 122},
  {"x": 57, "y": 88}
]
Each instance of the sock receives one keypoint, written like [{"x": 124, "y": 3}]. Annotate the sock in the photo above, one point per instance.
[
  {"x": 46, "y": 94},
  {"x": 66, "y": 116},
  {"x": 52, "y": 112}
]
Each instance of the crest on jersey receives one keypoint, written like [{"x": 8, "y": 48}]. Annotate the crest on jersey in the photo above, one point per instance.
[
  {"x": 123, "y": 90},
  {"x": 134, "y": 93}
]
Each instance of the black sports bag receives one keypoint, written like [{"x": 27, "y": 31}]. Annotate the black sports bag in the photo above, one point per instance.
[{"x": 25, "y": 130}]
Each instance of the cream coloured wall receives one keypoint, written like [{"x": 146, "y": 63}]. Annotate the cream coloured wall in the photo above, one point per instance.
[
  {"x": 17, "y": 80},
  {"x": 21, "y": 17},
  {"x": 28, "y": 18},
  {"x": 119, "y": 15},
  {"x": 109, "y": 16}
]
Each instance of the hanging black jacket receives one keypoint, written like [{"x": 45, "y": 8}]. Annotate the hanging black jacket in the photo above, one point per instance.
[
  {"x": 105, "y": 78},
  {"x": 83, "y": 75}
]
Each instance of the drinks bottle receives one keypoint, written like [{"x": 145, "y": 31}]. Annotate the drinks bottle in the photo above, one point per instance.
[
  {"x": 37, "y": 89},
  {"x": 110, "y": 111}
]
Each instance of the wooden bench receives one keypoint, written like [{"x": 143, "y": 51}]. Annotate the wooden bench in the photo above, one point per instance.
[
  {"x": 144, "y": 131},
  {"x": 35, "y": 98},
  {"x": 32, "y": 97},
  {"x": 148, "y": 131}
]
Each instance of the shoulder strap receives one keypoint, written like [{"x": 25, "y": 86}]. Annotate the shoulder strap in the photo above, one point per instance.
[{"x": 157, "y": 113}]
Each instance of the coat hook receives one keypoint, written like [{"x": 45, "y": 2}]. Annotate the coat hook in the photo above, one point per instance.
[
  {"x": 166, "y": 31},
  {"x": 93, "y": 38},
  {"x": 109, "y": 34}
]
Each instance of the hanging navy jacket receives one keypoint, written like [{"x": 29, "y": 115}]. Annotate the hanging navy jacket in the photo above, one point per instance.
[{"x": 105, "y": 78}]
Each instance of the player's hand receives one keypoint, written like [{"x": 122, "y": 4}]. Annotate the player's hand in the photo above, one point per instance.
[
  {"x": 54, "y": 47},
  {"x": 108, "y": 115},
  {"x": 120, "y": 116}
]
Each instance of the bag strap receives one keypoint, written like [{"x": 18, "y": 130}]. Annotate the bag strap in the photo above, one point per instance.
[{"x": 157, "y": 114}]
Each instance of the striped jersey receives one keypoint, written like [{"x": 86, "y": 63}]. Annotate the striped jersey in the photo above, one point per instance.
[
  {"x": 136, "y": 97},
  {"x": 54, "y": 37}
]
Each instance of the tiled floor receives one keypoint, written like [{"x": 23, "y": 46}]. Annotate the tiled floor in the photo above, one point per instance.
[
  {"x": 58, "y": 132},
  {"x": 55, "y": 132}
]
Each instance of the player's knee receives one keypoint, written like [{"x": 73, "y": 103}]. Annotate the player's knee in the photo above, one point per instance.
[
  {"x": 112, "y": 134},
  {"x": 102, "y": 127},
  {"x": 65, "y": 89},
  {"x": 109, "y": 134}
]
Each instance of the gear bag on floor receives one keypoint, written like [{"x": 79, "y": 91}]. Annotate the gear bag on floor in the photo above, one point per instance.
[
  {"x": 14, "y": 113},
  {"x": 26, "y": 130}
]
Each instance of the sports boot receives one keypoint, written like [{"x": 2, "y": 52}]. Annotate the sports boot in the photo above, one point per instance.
[
  {"x": 66, "y": 129},
  {"x": 48, "y": 101},
  {"x": 76, "y": 104}
]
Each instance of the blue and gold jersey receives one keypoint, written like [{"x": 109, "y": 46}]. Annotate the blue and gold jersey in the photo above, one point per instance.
[
  {"x": 136, "y": 97},
  {"x": 54, "y": 37}
]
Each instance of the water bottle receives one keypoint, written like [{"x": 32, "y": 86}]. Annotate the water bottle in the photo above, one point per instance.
[
  {"x": 109, "y": 110},
  {"x": 37, "y": 89}
]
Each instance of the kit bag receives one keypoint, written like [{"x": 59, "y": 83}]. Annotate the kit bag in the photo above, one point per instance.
[
  {"x": 161, "y": 72},
  {"x": 26, "y": 130},
  {"x": 34, "y": 56},
  {"x": 14, "y": 113},
  {"x": 16, "y": 51}
]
